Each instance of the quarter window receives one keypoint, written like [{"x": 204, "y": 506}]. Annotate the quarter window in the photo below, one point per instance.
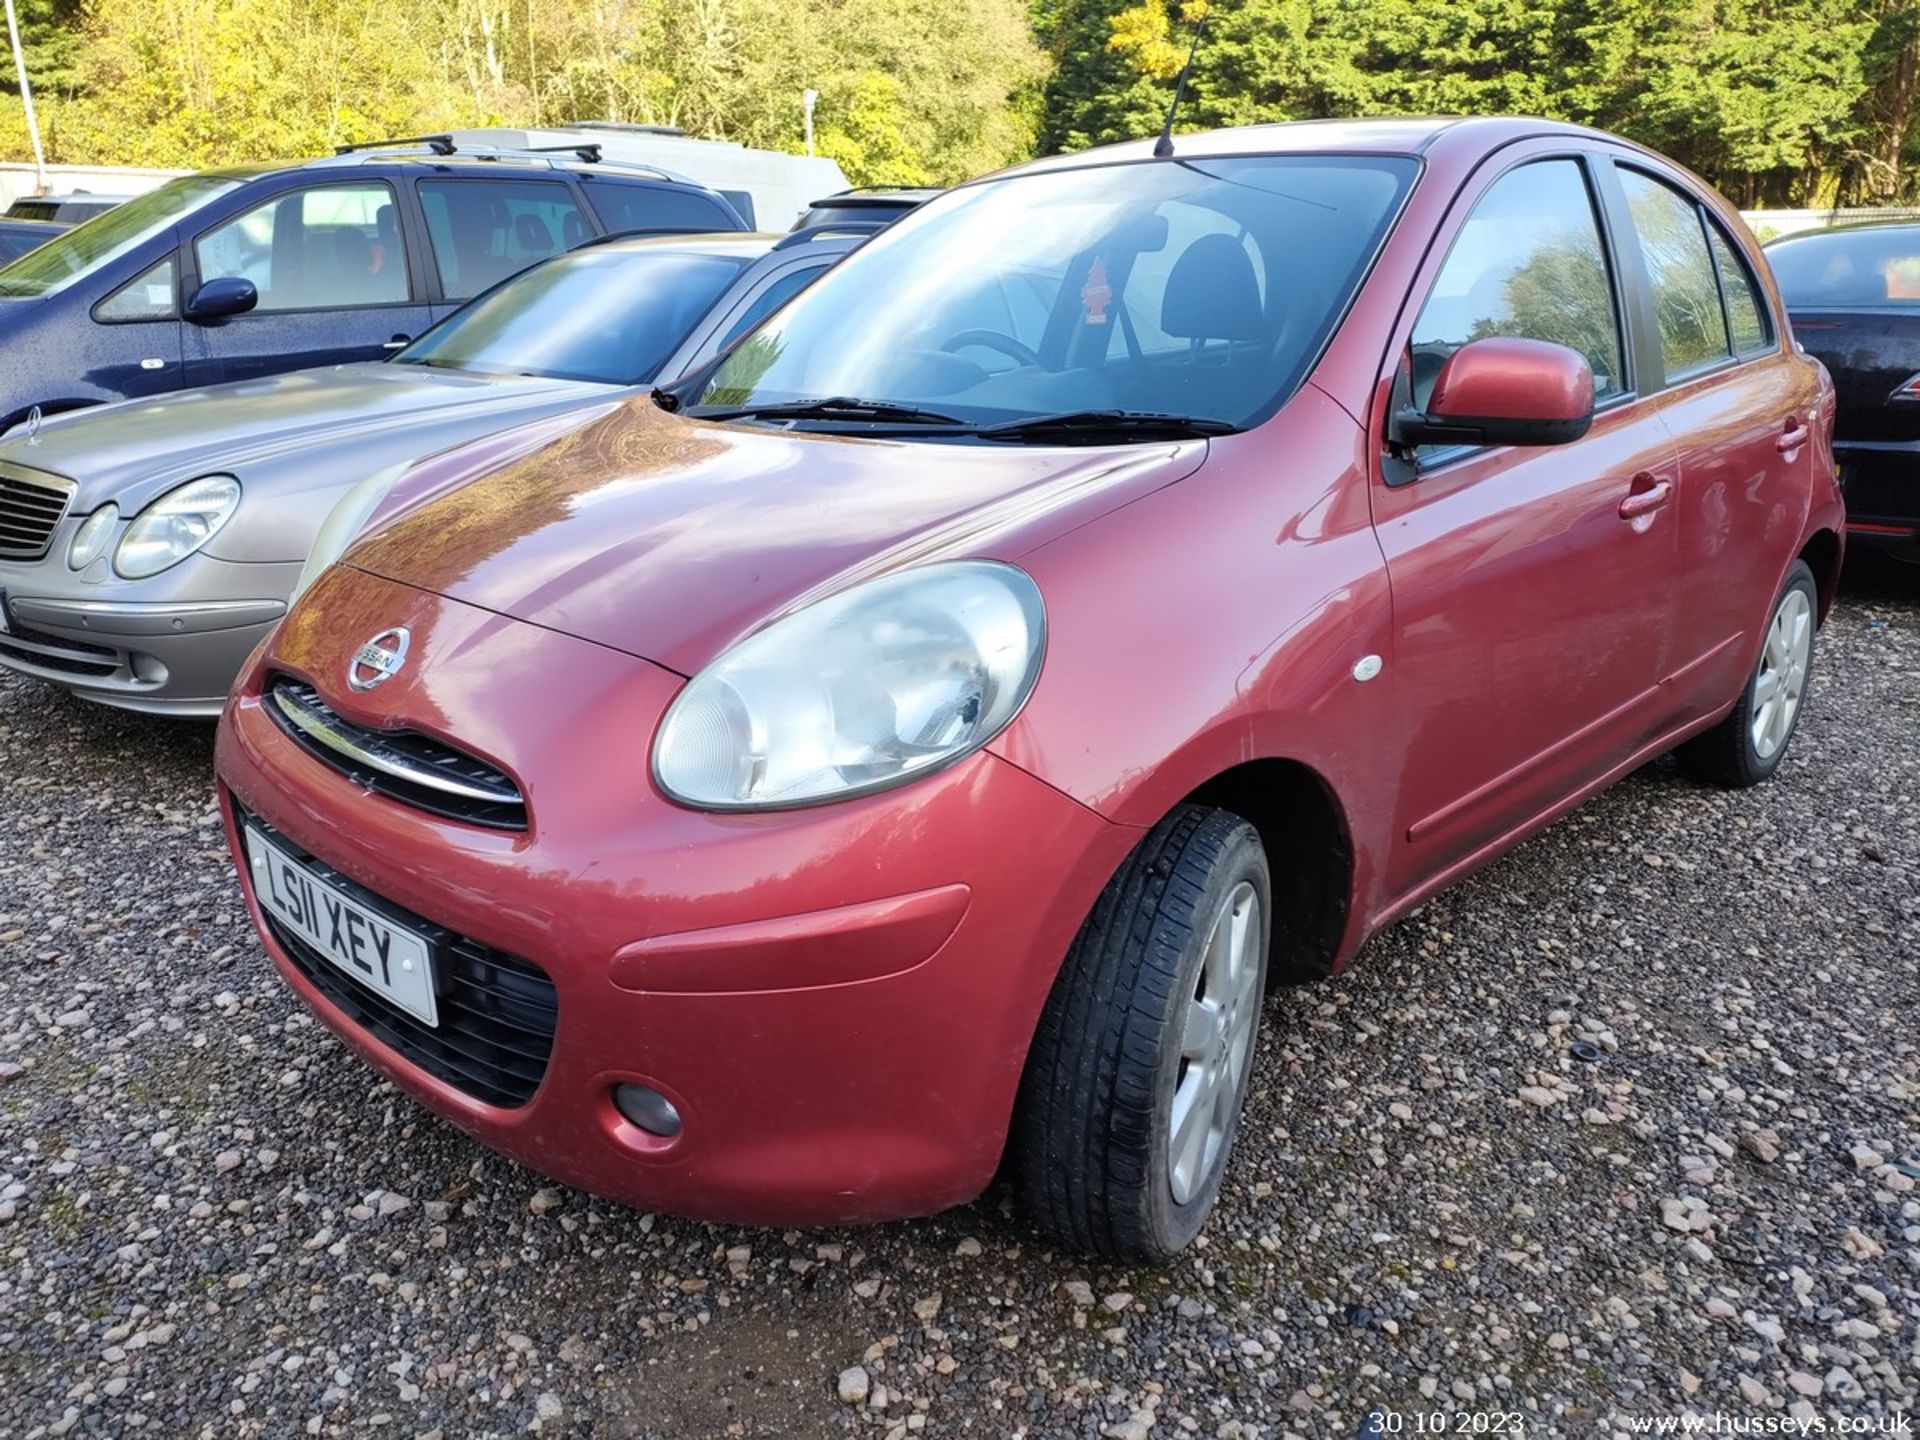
[
  {"x": 1746, "y": 318},
  {"x": 336, "y": 247},
  {"x": 1528, "y": 262},
  {"x": 485, "y": 230},
  {"x": 148, "y": 296},
  {"x": 1686, "y": 295}
]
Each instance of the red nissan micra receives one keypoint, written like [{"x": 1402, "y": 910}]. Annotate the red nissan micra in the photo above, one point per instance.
[{"x": 1125, "y": 584}]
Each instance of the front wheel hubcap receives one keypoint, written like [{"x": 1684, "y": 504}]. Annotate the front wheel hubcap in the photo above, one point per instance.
[
  {"x": 1782, "y": 677},
  {"x": 1216, "y": 1044}
]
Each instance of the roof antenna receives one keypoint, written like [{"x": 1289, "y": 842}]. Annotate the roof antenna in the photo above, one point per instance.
[{"x": 1163, "y": 147}]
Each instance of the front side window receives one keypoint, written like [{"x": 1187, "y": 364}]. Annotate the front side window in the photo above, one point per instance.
[
  {"x": 771, "y": 299},
  {"x": 336, "y": 247},
  {"x": 1202, "y": 289},
  {"x": 1529, "y": 262},
  {"x": 485, "y": 230},
  {"x": 1686, "y": 293},
  {"x": 148, "y": 297},
  {"x": 608, "y": 316},
  {"x": 86, "y": 249}
]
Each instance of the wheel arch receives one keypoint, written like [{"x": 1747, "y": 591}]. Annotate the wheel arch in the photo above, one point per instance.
[
  {"x": 1309, "y": 845},
  {"x": 1822, "y": 553}
]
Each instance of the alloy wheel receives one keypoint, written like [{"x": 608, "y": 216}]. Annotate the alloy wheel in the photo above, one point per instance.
[
  {"x": 1216, "y": 1044},
  {"x": 1782, "y": 677}
]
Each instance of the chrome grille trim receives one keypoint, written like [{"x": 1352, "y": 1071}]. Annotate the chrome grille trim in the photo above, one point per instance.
[
  {"x": 32, "y": 505},
  {"x": 402, "y": 764}
]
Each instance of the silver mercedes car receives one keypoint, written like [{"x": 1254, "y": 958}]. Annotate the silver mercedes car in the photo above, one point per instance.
[{"x": 147, "y": 546}]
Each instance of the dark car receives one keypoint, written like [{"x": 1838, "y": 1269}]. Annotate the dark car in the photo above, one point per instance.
[
  {"x": 238, "y": 273},
  {"x": 1853, "y": 295},
  {"x": 70, "y": 209},
  {"x": 17, "y": 237},
  {"x": 872, "y": 207}
]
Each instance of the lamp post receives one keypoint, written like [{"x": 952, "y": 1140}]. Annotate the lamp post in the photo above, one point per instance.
[
  {"x": 26, "y": 97},
  {"x": 808, "y": 99}
]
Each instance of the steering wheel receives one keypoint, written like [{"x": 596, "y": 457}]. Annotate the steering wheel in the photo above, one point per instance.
[{"x": 992, "y": 340}]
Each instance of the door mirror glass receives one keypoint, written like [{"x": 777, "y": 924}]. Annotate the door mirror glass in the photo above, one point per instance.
[
  {"x": 1504, "y": 390},
  {"x": 221, "y": 298}
]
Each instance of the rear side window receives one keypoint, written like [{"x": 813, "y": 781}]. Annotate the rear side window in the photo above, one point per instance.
[
  {"x": 1877, "y": 266},
  {"x": 1528, "y": 262},
  {"x": 1746, "y": 316},
  {"x": 1686, "y": 292},
  {"x": 656, "y": 207},
  {"x": 335, "y": 247},
  {"x": 485, "y": 230}
]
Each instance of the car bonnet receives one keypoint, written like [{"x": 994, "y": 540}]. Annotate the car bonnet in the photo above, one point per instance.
[{"x": 671, "y": 538}]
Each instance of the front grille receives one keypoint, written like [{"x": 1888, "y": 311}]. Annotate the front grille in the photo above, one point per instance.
[
  {"x": 497, "y": 1011},
  {"x": 30, "y": 508},
  {"x": 401, "y": 764},
  {"x": 59, "y": 654}
]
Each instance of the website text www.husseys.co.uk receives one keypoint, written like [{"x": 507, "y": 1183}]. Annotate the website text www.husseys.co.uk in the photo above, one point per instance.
[{"x": 1721, "y": 1423}]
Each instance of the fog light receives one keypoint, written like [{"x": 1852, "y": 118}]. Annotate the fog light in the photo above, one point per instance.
[{"x": 648, "y": 1109}]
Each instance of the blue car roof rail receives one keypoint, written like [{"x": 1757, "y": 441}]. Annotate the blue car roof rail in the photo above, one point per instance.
[{"x": 444, "y": 147}]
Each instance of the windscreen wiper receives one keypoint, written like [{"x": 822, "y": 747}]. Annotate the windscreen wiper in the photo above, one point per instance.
[
  {"x": 833, "y": 407},
  {"x": 1097, "y": 424}
]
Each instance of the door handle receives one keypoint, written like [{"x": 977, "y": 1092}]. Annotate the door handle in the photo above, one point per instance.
[
  {"x": 398, "y": 342},
  {"x": 1795, "y": 436},
  {"x": 1648, "y": 496}
]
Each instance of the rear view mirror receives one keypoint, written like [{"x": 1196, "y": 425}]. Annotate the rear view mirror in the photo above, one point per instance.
[
  {"x": 1503, "y": 390},
  {"x": 221, "y": 298}
]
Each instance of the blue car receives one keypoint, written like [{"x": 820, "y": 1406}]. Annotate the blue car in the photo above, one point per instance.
[{"x": 251, "y": 271}]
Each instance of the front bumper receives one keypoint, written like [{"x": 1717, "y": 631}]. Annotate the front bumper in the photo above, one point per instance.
[
  {"x": 838, "y": 1000},
  {"x": 169, "y": 645}
]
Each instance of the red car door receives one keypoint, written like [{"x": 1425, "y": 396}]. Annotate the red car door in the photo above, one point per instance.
[
  {"x": 1740, "y": 403},
  {"x": 1531, "y": 616}
]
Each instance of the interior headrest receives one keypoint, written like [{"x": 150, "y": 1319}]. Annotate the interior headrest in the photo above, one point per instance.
[
  {"x": 1212, "y": 293},
  {"x": 532, "y": 233}
]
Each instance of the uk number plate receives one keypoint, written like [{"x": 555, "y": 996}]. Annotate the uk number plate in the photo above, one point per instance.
[{"x": 392, "y": 962}]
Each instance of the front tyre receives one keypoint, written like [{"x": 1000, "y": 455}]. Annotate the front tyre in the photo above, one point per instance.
[
  {"x": 1132, "y": 1094},
  {"x": 1748, "y": 746}
]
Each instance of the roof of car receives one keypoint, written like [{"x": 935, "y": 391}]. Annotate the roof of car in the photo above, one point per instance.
[
  {"x": 1396, "y": 135},
  {"x": 431, "y": 153},
  {"x": 873, "y": 197},
  {"x": 746, "y": 245},
  {"x": 1852, "y": 228}
]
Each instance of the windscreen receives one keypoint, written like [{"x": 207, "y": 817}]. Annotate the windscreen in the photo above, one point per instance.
[
  {"x": 1201, "y": 287},
  {"x": 607, "y": 315},
  {"x": 85, "y": 248},
  {"x": 1849, "y": 267}
]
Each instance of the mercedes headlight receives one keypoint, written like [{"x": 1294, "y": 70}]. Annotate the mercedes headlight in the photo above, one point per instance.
[
  {"x": 176, "y": 525},
  {"x": 90, "y": 540},
  {"x": 343, "y": 523},
  {"x": 863, "y": 690}
]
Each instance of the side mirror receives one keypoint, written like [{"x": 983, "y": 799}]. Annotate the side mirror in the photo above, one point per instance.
[
  {"x": 221, "y": 298},
  {"x": 1503, "y": 390}
]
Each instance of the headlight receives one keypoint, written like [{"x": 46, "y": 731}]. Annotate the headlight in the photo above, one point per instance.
[
  {"x": 90, "y": 540},
  {"x": 865, "y": 689},
  {"x": 176, "y": 525},
  {"x": 343, "y": 523}
]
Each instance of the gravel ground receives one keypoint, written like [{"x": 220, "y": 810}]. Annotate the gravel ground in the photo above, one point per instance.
[{"x": 1627, "y": 1125}]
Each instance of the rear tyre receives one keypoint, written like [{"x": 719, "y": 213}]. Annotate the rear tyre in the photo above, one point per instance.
[
  {"x": 1748, "y": 746},
  {"x": 1132, "y": 1094}
]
